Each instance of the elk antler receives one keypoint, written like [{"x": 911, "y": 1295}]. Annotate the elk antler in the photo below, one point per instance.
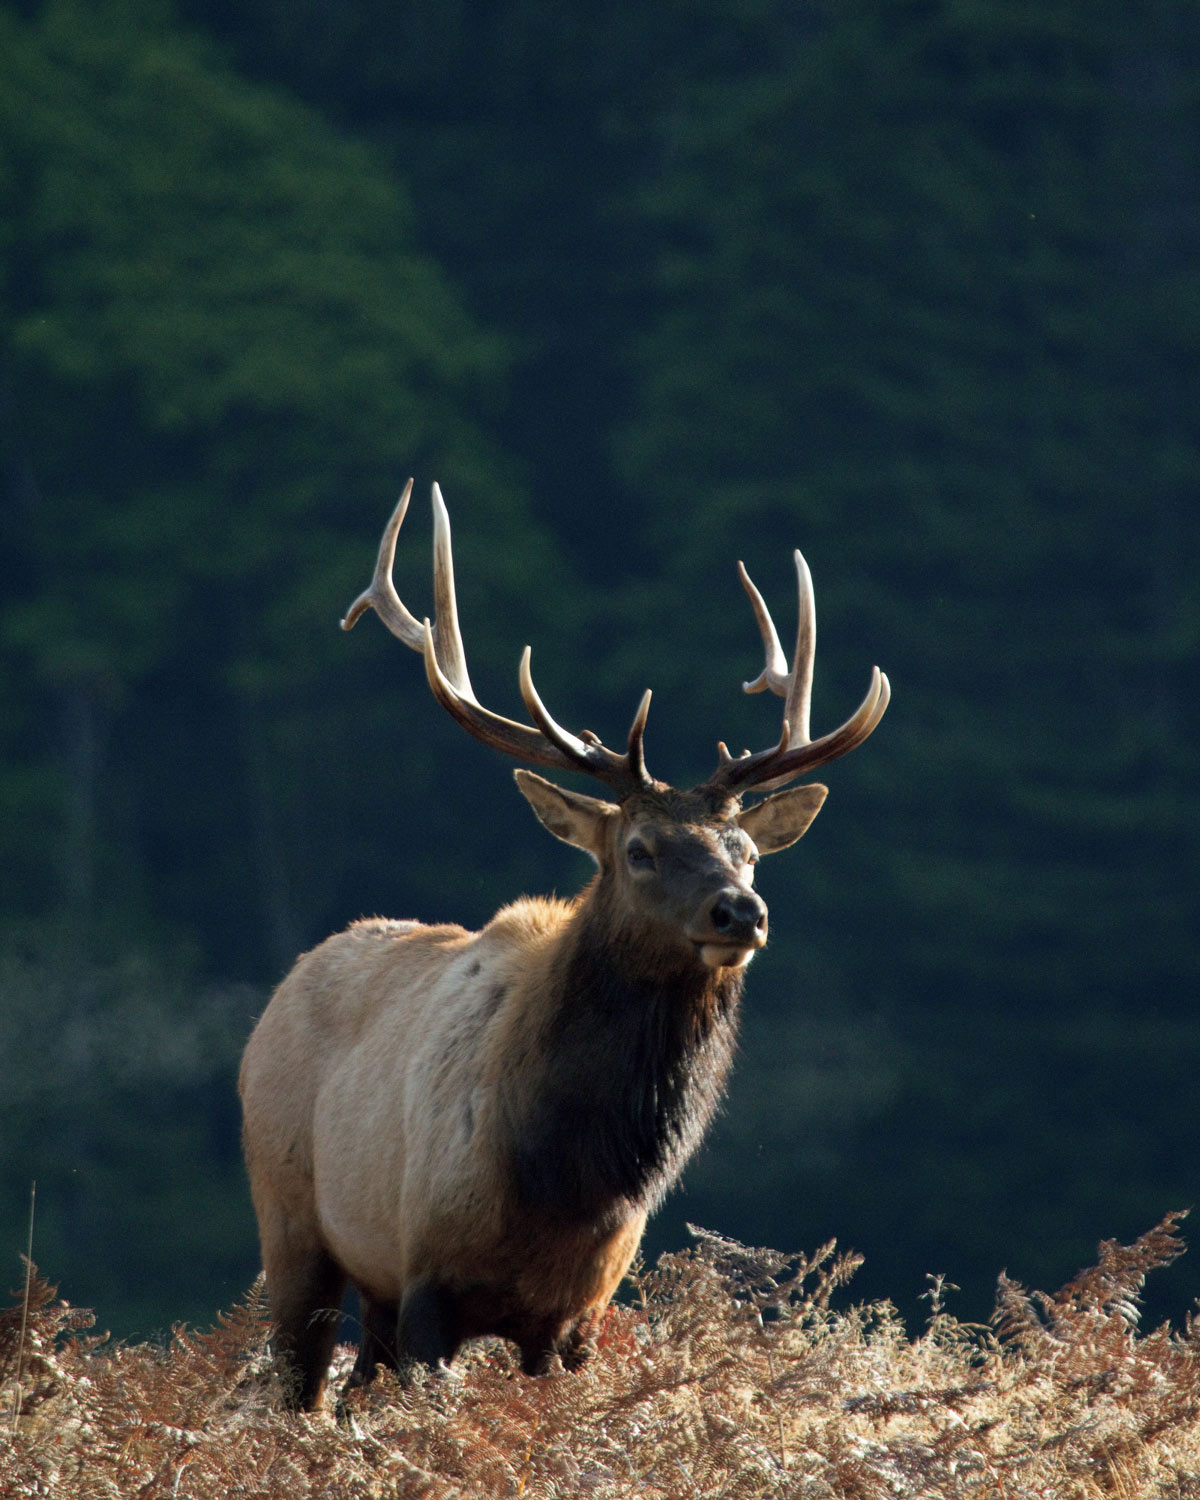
[
  {"x": 796, "y": 753},
  {"x": 440, "y": 643}
]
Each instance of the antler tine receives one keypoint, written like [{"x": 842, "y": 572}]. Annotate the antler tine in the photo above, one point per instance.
[
  {"x": 796, "y": 752},
  {"x": 636, "y": 755},
  {"x": 545, "y": 742},
  {"x": 568, "y": 743},
  {"x": 549, "y": 744},
  {"x": 446, "y": 634},
  {"x": 799, "y": 694},
  {"x": 381, "y": 595},
  {"x": 588, "y": 752},
  {"x": 774, "y": 672},
  {"x": 781, "y": 769},
  {"x": 520, "y": 740},
  {"x": 795, "y": 686}
]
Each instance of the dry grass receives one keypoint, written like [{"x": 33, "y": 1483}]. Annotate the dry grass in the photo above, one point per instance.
[{"x": 731, "y": 1376}]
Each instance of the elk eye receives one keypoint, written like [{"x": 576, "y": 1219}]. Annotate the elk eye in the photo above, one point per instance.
[{"x": 639, "y": 856}]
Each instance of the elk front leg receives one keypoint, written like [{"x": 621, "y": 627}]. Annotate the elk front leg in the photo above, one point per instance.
[
  {"x": 574, "y": 1345},
  {"x": 305, "y": 1296},
  {"x": 578, "y": 1344},
  {"x": 377, "y": 1344}
]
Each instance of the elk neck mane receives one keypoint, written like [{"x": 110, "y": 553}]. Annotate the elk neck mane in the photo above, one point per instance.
[{"x": 630, "y": 1045}]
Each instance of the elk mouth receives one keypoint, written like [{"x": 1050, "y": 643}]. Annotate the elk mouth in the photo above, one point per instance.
[{"x": 725, "y": 955}]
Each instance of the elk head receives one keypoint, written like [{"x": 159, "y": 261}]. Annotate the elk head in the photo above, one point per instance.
[{"x": 676, "y": 867}]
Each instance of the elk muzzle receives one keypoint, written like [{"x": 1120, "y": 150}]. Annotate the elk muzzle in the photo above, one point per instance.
[{"x": 730, "y": 927}]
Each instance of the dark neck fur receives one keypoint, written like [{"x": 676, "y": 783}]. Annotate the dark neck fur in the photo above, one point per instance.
[{"x": 634, "y": 1058}]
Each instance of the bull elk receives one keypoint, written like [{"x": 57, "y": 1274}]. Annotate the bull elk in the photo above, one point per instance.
[{"x": 472, "y": 1127}]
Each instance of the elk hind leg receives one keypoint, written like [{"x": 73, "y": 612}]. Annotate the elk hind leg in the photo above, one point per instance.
[{"x": 428, "y": 1328}]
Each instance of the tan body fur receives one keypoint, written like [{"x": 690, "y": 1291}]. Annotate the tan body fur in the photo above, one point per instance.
[
  {"x": 381, "y": 1090},
  {"x": 379, "y": 1094}
]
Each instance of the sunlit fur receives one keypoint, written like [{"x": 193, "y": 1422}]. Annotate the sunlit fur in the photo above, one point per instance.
[{"x": 472, "y": 1127}]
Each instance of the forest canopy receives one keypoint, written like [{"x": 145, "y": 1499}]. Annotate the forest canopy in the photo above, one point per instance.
[{"x": 912, "y": 287}]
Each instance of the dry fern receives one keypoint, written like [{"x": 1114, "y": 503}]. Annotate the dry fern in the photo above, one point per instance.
[{"x": 730, "y": 1376}]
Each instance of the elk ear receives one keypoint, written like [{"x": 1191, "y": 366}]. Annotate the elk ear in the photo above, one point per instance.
[
  {"x": 783, "y": 818},
  {"x": 569, "y": 816}
]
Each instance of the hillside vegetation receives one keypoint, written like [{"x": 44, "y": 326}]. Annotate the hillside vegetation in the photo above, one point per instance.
[{"x": 729, "y": 1375}]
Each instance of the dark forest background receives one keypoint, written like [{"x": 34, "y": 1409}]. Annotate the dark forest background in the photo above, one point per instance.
[{"x": 648, "y": 287}]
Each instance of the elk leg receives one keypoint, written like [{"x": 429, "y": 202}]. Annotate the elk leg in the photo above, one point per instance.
[
  {"x": 537, "y": 1358},
  {"x": 427, "y": 1330},
  {"x": 306, "y": 1308},
  {"x": 377, "y": 1346},
  {"x": 574, "y": 1345},
  {"x": 578, "y": 1344},
  {"x": 539, "y": 1346}
]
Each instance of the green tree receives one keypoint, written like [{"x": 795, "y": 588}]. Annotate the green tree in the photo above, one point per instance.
[
  {"x": 919, "y": 311},
  {"x": 927, "y": 306},
  {"x": 222, "y": 355}
]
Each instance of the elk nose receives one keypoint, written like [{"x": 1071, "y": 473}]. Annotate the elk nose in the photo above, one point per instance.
[{"x": 739, "y": 916}]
